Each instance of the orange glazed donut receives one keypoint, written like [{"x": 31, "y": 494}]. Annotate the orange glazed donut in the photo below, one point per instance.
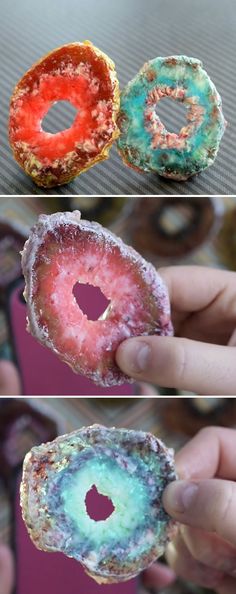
[
  {"x": 83, "y": 75},
  {"x": 62, "y": 250}
]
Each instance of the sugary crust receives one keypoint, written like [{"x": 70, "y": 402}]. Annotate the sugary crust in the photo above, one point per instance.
[
  {"x": 46, "y": 460},
  {"x": 155, "y": 294},
  {"x": 145, "y": 144},
  {"x": 65, "y": 169}
]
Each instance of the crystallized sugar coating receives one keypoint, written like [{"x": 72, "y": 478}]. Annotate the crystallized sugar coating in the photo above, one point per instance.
[
  {"x": 63, "y": 249},
  {"x": 83, "y": 75},
  {"x": 144, "y": 142},
  {"x": 132, "y": 468}
]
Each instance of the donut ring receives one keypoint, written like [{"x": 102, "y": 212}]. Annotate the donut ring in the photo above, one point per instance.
[
  {"x": 61, "y": 250},
  {"x": 226, "y": 240},
  {"x": 105, "y": 211},
  {"x": 150, "y": 235},
  {"x": 145, "y": 144},
  {"x": 132, "y": 468},
  {"x": 83, "y": 75}
]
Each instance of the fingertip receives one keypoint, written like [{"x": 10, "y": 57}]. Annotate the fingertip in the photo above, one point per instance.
[
  {"x": 179, "y": 497},
  {"x": 9, "y": 379},
  {"x": 132, "y": 356},
  {"x": 156, "y": 359},
  {"x": 158, "y": 575}
]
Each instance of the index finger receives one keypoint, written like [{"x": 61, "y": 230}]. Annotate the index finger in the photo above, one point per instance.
[
  {"x": 192, "y": 288},
  {"x": 211, "y": 453}
]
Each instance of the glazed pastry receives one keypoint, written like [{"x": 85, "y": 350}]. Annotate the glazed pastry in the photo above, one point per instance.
[
  {"x": 83, "y": 75},
  {"x": 131, "y": 468},
  {"x": 145, "y": 144},
  {"x": 63, "y": 249}
]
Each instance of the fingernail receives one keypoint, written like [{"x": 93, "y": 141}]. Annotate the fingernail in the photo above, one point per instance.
[
  {"x": 180, "y": 495},
  {"x": 135, "y": 356}
]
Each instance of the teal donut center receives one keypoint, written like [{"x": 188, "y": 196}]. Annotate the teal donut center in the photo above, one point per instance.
[{"x": 126, "y": 492}]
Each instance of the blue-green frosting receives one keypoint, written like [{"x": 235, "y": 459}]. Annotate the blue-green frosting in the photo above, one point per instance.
[{"x": 134, "y": 142}]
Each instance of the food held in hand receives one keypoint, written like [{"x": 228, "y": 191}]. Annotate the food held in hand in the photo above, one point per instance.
[
  {"x": 83, "y": 75},
  {"x": 131, "y": 468},
  {"x": 145, "y": 144},
  {"x": 63, "y": 250}
]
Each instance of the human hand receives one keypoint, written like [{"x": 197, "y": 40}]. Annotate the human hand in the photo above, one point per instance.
[
  {"x": 9, "y": 380},
  {"x": 201, "y": 356},
  {"x": 204, "y": 502},
  {"x": 157, "y": 577}
]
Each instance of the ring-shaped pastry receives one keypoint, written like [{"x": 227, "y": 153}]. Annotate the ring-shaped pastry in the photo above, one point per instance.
[
  {"x": 144, "y": 142},
  {"x": 83, "y": 75},
  {"x": 131, "y": 468},
  {"x": 62, "y": 250}
]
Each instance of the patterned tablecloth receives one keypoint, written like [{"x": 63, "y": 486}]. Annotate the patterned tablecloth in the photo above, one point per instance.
[{"x": 131, "y": 32}]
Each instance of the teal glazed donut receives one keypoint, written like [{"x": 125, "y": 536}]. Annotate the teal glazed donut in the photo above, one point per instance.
[
  {"x": 132, "y": 468},
  {"x": 144, "y": 142}
]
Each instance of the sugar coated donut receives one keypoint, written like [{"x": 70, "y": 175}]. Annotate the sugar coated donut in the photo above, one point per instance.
[
  {"x": 62, "y": 250},
  {"x": 145, "y": 144},
  {"x": 83, "y": 75},
  {"x": 131, "y": 468}
]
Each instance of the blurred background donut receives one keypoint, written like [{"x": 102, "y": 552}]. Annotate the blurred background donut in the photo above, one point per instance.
[{"x": 174, "y": 227}]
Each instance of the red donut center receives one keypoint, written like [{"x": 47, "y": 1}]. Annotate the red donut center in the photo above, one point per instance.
[{"x": 82, "y": 91}]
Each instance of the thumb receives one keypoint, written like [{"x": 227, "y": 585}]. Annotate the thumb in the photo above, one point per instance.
[
  {"x": 206, "y": 504},
  {"x": 179, "y": 363}
]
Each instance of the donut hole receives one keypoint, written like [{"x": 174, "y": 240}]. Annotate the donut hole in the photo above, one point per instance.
[
  {"x": 99, "y": 507},
  {"x": 59, "y": 117},
  {"x": 172, "y": 114},
  {"x": 175, "y": 220},
  {"x": 90, "y": 300}
]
